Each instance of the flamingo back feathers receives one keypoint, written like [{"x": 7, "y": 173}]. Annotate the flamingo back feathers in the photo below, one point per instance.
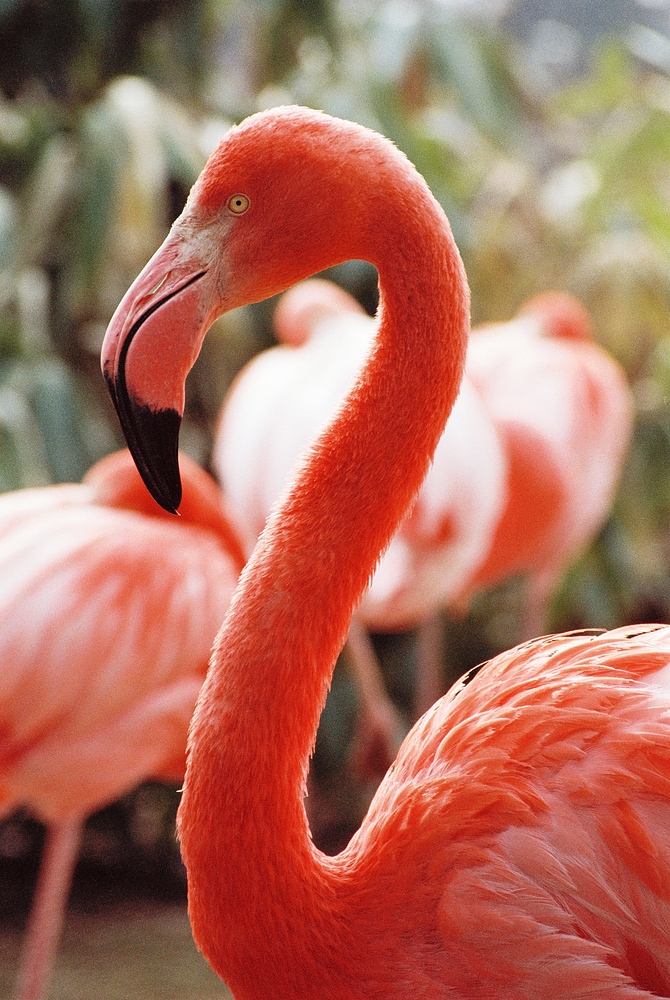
[
  {"x": 541, "y": 793},
  {"x": 305, "y": 305},
  {"x": 115, "y": 482}
]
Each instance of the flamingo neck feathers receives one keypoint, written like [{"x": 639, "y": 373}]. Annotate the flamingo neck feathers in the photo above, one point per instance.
[{"x": 257, "y": 885}]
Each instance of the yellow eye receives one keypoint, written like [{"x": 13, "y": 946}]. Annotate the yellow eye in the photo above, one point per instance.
[{"x": 238, "y": 204}]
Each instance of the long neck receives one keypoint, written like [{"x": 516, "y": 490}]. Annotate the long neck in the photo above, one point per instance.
[{"x": 256, "y": 883}]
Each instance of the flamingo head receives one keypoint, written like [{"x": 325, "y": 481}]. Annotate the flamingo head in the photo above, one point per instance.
[
  {"x": 561, "y": 315},
  {"x": 286, "y": 194},
  {"x": 301, "y": 309}
]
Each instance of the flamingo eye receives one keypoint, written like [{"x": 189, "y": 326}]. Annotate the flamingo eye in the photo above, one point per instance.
[{"x": 238, "y": 204}]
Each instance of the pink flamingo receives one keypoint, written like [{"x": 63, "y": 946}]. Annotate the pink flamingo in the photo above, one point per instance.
[
  {"x": 109, "y": 608},
  {"x": 520, "y": 845},
  {"x": 563, "y": 409}
]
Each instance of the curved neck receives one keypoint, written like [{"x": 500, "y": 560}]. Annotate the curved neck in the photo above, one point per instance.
[{"x": 254, "y": 875}]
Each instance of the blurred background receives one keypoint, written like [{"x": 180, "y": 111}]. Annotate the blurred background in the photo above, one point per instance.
[{"x": 543, "y": 128}]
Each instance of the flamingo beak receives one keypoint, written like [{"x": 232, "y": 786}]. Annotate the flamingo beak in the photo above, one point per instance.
[{"x": 150, "y": 346}]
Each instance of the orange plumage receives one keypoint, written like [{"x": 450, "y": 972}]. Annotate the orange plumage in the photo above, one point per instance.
[{"x": 519, "y": 846}]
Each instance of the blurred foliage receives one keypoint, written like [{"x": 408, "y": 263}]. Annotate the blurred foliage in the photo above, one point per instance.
[{"x": 108, "y": 109}]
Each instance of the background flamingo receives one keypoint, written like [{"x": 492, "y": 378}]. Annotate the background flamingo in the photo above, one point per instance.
[
  {"x": 563, "y": 409},
  {"x": 109, "y": 608},
  {"x": 519, "y": 847}
]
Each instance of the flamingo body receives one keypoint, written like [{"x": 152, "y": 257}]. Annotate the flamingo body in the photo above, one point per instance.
[
  {"x": 519, "y": 845},
  {"x": 563, "y": 409},
  {"x": 109, "y": 610}
]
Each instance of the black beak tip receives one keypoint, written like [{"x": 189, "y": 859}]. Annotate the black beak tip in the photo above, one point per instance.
[
  {"x": 154, "y": 444},
  {"x": 152, "y": 437}
]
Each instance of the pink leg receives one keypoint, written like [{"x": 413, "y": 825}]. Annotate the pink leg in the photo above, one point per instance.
[
  {"x": 46, "y": 917},
  {"x": 381, "y": 724},
  {"x": 536, "y": 612},
  {"x": 429, "y": 671}
]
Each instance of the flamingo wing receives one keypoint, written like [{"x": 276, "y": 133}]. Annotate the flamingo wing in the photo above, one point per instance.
[{"x": 564, "y": 411}]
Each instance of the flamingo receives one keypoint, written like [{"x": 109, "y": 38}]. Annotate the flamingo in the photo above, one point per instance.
[
  {"x": 520, "y": 844},
  {"x": 563, "y": 409},
  {"x": 109, "y": 608}
]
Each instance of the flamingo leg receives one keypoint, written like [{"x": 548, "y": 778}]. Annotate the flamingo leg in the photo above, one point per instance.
[
  {"x": 430, "y": 684},
  {"x": 536, "y": 608},
  {"x": 46, "y": 917},
  {"x": 382, "y": 729}
]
